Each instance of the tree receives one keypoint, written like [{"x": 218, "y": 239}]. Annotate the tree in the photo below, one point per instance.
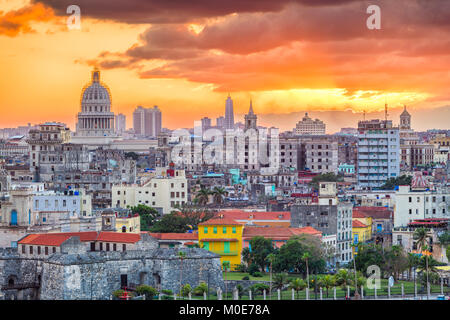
[
  {"x": 327, "y": 282},
  {"x": 147, "y": 215},
  {"x": 146, "y": 290},
  {"x": 391, "y": 183},
  {"x": 444, "y": 239},
  {"x": 193, "y": 215},
  {"x": 289, "y": 256},
  {"x": 132, "y": 155},
  {"x": 413, "y": 262},
  {"x": 181, "y": 255},
  {"x": 226, "y": 267},
  {"x": 247, "y": 256},
  {"x": 325, "y": 177},
  {"x": 420, "y": 234},
  {"x": 202, "y": 197},
  {"x": 343, "y": 278},
  {"x": 186, "y": 289},
  {"x": 218, "y": 194},
  {"x": 171, "y": 222},
  {"x": 270, "y": 258},
  {"x": 279, "y": 280},
  {"x": 201, "y": 289},
  {"x": 298, "y": 285},
  {"x": 305, "y": 258},
  {"x": 261, "y": 248}
]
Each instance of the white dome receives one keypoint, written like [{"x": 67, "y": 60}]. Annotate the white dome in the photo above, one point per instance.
[{"x": 96, "y": 92}]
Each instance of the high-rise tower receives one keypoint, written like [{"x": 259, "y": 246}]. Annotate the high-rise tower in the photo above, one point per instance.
[
  {"x": 229, "y": 113},
  {"x": 250, "y": 118}
]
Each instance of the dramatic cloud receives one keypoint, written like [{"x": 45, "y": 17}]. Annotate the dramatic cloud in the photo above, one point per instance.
[
  {"x": 175, "y": 11},
  {"x": 303, "y": 47},
  {"x": 15, "y": 22}
]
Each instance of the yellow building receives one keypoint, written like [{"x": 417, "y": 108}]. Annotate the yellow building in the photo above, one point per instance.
[
  {"x": 223, "y": 237},
  {"x": 131, "y": 224},
  {"x": 361, "y": 233}
]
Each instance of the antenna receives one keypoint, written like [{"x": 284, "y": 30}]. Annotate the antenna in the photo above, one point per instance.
[
  {"x": 385, "y": 112},
  {"x": 364, "y": 115}
]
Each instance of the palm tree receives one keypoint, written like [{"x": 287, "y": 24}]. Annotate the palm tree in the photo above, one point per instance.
[
  {"x": 354, "y": 245},
  {"x": 305, "y": 258},
  {"x": 226, "y": 267},
  {"x": 343, "y": 278},
  {"x": 420, "y": 234},
  {"x": 327, "y": 281},
  {"x": 280, "y": 280},
  {"x": 247, "y": 256},
  {"x": 181, "y": 255},
  {"x": 297, "y": 284},
  {"x": 218, "y": 194},
  {"x": 271, "y": 258},
  {"x": 413, "y": 262},
  {"x": 202, "y": 197}
]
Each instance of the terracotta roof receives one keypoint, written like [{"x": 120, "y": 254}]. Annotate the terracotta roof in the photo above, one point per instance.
[
  {"x": 56, "y": 239},
  {"x": 374, "y": 212},
  {"x": 174, "y": 236},
  {"x": 358, "y": 224},
  {"x": 278, "y": 232},
  {"x": 224, "y": 221},
  {"x": 119, "y": 237},
  {"x": 266, "y": 215},
  {"x": 44, "y": 239}
]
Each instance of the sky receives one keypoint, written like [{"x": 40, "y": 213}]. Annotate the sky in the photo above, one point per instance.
[{"x": 288, "y": 56}]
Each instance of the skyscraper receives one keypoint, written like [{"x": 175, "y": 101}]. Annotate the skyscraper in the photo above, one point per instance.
[
  {"x": 121, "y": 121},
  {"x": 229, "y": 114},
  {"x": 147, "y": 121}
]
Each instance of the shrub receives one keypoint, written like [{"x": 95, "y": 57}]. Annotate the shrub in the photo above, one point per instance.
[
  {"x": 167, "y": 292},
  {"x": 252, "y": 269},
  {"x": 257, "y": 274},
  {"x": 200, "y": 289},
  {"x": 148, "y": 291},
  {"x": 186, "y": 289},
  {"x": 241, "y": 268},
  {"x": 118, "y": 293},
  {"x": 246, "y": 278},
  {"x": 259, "y": 287}
]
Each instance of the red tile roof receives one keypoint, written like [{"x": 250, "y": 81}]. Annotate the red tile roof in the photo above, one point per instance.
[
  {"x": 374, "y": 212},
  {"x": 265, "y": 215},
  {"x": 174, "y": 236},
  {"x": 358, "y": 224},
  {"x": 278, "y": 232},
  {"x": 119, "y": 237},
  {"x": 224, "y": 221},
  {"x": 56, "y": 239}
]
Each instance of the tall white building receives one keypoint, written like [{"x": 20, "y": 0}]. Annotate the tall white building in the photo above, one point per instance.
[
  {"x": 147, "y": 121},
  {"x": 419, "y": 201},
  {"x": 378, "y": 152},
  {"x": 95, "y": 118}
]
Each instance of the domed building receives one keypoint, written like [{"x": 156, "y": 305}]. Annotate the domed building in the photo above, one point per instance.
[{"x": 95, "y": 118}]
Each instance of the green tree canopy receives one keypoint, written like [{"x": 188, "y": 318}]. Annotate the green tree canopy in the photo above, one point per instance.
[
  {"x": 325, "y": 177},
  {"x": 260, "y": 249},
  {"x": 172, "y": 222},
  {"x": 391, "y": 183},
  {"x": 147, "y": 215}
]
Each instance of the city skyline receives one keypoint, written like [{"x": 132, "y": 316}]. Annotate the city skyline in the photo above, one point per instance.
[{"x": 325, "y": 69}]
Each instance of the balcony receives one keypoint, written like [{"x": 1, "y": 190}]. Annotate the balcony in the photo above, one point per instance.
[{"x": 228, "y": 253}]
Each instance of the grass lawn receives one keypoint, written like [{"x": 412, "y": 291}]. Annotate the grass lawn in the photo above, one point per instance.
[{"x": 340, "y": 292}]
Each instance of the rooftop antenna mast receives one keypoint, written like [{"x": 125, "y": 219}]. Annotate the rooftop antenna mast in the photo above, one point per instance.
[{"x": 385, "y": 111}]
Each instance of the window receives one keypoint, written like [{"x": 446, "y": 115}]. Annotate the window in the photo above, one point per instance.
[
  {"x": 101, "y": 246},
  {"x": 23, "y": 249},
  {"x": 234, "y": 229},
  {"x": 107, "y": 247},
  {"x": 39, "y": 250},
  {"x": 31, "y": 249},
  {"x": 114, "y": 247},
  {"x": 54, "y": 249},
  {"x": 205, "y": 230},
  {"x": 224, "y": 230},
  {"x": 46, "y": 251},
  {"x": 124, "y": 247},
  {"x": 215, "y": 230}
]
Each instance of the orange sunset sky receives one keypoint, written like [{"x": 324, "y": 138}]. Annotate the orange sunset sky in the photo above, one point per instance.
[{"x": 186, "y": 56}]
